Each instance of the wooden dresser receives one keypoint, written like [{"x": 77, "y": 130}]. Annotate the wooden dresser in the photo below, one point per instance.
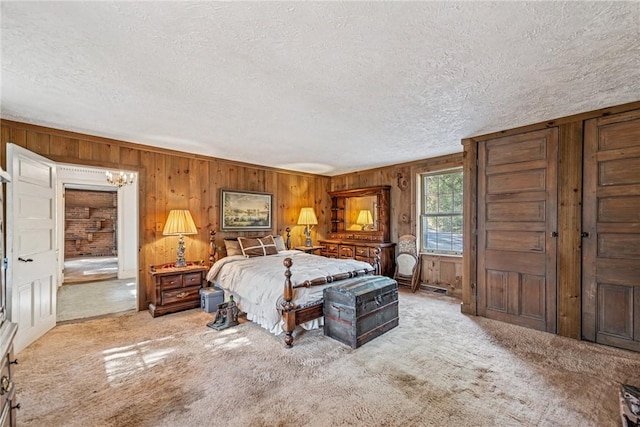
[
  {"x": 175, "y": 289},
  {"x": 350, "y": 237},
  {"x": 7, "y": 334},
  {"x": 363, "y": 251}
]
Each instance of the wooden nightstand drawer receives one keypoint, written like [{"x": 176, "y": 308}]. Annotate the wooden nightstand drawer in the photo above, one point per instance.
[
  {"x": 192, "y": 279},
  {"x": 171, "y": 282},
  {"x": 181, "y": 295}
]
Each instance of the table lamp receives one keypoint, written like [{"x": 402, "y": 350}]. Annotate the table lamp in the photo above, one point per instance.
[
  {"x": 180, "y": 223},
  {"x": 308, "y": 219},
  {"x": 364, "y": 219}
]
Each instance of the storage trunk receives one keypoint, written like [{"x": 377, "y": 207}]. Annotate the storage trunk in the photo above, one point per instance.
[{"x": 357, "y": 311}]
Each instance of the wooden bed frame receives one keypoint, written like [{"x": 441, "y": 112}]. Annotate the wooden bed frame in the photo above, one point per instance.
[{"x": 292, "y": 314}]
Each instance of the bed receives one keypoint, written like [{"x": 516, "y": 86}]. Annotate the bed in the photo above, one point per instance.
[{"x": 282, "y": 290}]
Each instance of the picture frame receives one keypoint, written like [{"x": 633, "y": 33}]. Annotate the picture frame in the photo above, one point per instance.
[{"x": 245, "y": 210}]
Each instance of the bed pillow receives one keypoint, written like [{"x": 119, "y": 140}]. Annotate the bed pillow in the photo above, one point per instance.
[
  {"x": 279, "y": 243},
  {"x": 232, "y": 247},
  {"x": 257, "y": 246}
]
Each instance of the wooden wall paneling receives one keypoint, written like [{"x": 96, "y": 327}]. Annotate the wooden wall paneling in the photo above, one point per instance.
[
  {"x": 129, "y": 156},
  {"x": 85, "y": 150},
  {"x": 5, "y": 137},
  {"x": 470, "y": 238},
  {"x": 160, "y": 212},
  {"x": 38, "y": 143},
  {"x": 149, "y": 234},
  {"x": 569, "y": 229},
  {"x": 197, "y": 205},
  {"x": 105, "y": 153},
  {"x": 62, "y": 146}
]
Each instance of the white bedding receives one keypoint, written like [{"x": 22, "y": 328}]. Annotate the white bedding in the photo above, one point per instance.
[{"x": 257, "y": 284}]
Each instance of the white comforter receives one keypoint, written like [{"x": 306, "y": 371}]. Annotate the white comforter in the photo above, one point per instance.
[{"x": 257, "y": 284}]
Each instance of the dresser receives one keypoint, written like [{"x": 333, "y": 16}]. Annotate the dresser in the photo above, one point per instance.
[
  {"x": 175, "y": 288},
  {"x": 362, "y": 251},
  {"x": 7, "y": 334},
  {"x": 360, "y": 225}
]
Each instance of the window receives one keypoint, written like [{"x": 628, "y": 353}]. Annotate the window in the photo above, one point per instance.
[{"x": 441, "y": 212}]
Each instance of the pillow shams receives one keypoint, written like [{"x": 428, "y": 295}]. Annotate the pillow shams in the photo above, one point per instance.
[
  {"x": 257, "y": 246},
  {"x": 232, "y": 247},
  {"x": 279, "y": 243}
]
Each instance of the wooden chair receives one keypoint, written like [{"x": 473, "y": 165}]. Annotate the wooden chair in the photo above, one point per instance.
[{"x": 408, "y": 263}]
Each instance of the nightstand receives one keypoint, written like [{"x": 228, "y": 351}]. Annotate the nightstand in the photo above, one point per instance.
[
  {"x": 310, "y": 249},
  {"x": 175, "y": 288}
]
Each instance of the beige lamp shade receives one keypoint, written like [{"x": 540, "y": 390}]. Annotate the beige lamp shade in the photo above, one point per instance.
[
  {"x": 179, "y": 222},
  {"x": 307, "y": 217},
  {"x": 364, "y": 217}
]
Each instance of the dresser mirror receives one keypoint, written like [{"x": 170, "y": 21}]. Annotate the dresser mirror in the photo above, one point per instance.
[{"x": 361, "y": 213}]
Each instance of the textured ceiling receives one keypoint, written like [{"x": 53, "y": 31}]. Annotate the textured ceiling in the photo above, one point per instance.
[{"x": 327, "y": 87}]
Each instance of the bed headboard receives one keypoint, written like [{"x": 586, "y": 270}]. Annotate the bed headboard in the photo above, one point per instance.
[{"x": 214, "y": 255}]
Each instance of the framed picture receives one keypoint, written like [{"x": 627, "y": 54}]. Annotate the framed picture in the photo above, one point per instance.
[{"x": 245, "y": 210}]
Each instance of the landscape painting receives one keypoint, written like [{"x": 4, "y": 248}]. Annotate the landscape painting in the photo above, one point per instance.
[{"x": 245, "y": 210}]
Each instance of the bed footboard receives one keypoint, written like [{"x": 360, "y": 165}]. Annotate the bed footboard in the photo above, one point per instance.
[{"x": 294, "y": 315}]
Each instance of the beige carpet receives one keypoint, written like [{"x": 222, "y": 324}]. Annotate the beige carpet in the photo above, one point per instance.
[
  {"x": 438, "y": 368},
  {"x": 79, "y": 301}
]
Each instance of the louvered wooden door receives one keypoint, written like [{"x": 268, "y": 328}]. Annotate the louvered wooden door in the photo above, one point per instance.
[
  {"x": 611, "y": 217},
  {"x": 517, "y": 217}
]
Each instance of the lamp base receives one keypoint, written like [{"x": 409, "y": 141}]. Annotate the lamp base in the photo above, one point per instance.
[
  {"x": 180, "y": 261},
  {"x": 307, "y": 233}
]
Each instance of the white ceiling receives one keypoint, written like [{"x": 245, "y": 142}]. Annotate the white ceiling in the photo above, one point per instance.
[{"x": 321, "y": 87}]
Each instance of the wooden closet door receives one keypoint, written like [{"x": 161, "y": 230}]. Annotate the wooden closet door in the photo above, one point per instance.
[
  {"x": 611, "y": 217},
  {"x": 517, "y": 217}
]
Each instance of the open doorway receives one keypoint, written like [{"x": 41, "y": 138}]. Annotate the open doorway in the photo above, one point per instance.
[
  {"x": 91, "y": 286},
  {"x": 97, "y": 250}
]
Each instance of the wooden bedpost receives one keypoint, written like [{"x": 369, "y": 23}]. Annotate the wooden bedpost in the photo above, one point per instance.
[
  {"x": 287, "y": 305},
  {"x": 213, "y": 251},
  {"x": 288, "y": 242}
]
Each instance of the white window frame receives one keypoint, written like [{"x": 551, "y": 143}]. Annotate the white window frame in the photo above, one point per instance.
[{"x": 421, "y": 213}]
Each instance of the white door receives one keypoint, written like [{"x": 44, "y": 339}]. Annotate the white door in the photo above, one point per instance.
[{"x": 31, "y": 273}]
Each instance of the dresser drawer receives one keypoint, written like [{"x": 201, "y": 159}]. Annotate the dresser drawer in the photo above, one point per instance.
[
  {"x": 347, "y": 251},
  {"x": 171, "y": 282},
  {"x": 362, "y": 251},
  {"x": 181, "y": 295},
  {"x": 192, "y": 279},
  {"x": 331, "y": 248}
]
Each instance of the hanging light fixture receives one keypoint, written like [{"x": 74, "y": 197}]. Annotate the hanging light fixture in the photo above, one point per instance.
[{"x": 120, "y": 179}]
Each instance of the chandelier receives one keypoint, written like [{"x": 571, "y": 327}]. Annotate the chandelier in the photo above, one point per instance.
[{"x": 119, "y": 179}]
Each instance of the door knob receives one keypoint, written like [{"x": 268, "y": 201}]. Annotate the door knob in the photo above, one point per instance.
[{"x": 25, "y": 260}]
